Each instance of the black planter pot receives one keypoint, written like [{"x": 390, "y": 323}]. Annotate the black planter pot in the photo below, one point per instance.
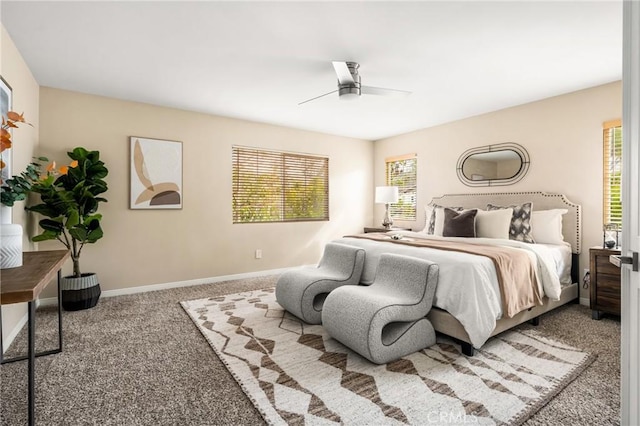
[{"x": 80, "y": 293}]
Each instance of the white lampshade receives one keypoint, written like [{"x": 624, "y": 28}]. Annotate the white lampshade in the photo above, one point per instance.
[{"x": 386, "y": 194}]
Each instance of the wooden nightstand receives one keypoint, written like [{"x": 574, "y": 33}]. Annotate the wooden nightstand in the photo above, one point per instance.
[
  {"x": 605, "y": 282},
  {"x": 383, "y": 229}
]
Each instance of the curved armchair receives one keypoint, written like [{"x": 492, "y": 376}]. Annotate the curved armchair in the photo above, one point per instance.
[
  {"x": 302, "y": 291},
  {"x": 386, "y": 320}
]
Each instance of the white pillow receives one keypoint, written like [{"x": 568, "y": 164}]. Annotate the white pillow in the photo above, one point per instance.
[
  {"x": 493, "y": 223},
  {"x": 546, "y": 226},
  {"x": 439, "y": 226}
]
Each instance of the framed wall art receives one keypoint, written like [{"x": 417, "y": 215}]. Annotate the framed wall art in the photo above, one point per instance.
[
  {"x": 156, "y": 173},
  {"x": 5, "y": 107}
]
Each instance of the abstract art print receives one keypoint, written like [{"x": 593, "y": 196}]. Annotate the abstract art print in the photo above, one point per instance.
[{"x": 156, "y": 173}]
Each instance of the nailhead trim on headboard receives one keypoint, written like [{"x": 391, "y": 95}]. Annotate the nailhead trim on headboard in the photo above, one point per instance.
[{"x": 571, "y": 222}]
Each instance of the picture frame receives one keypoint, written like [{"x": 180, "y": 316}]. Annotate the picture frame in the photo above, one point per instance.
[
  {"x": 155, "y": 174},
  {"x": 6, "y": 103}
]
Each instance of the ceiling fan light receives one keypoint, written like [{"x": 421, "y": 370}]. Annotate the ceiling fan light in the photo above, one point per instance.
[
  {"x": 349, "y": 97},
  {"x": 349, "y": 93}
]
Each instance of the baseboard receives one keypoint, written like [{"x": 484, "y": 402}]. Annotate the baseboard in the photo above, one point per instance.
[
  {"x": 585, "y": 301},
  {"x": 9, "y": 338},
  {"x": 51, "y": 301}
]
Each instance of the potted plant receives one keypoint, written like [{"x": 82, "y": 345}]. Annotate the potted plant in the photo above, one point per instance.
[{"x": 69, "y": 202}]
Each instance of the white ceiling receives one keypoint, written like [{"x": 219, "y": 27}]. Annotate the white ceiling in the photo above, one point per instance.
[{"x": 258, "y": 60}]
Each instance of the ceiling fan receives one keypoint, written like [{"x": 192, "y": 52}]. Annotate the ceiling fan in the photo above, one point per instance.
[{"x": 349, "y": 86}]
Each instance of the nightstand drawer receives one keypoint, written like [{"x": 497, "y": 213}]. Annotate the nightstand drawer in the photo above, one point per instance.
[
  {"x": 605, "y": 282},
  {"x": 608, "y": 282},
  {"x": 608, "y": 303},
  {"x": 605, "y": 267}
]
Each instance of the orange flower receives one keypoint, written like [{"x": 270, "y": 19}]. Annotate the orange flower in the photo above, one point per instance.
[
  {"x": 74, "y": 164},
  {"x": 51, "y": 166},
  {"x": 63, "y": 170},
  {"x": 5, "y": 143},
  {"x": 14, "y": 116},
  {"x": 5, "y": 138}
]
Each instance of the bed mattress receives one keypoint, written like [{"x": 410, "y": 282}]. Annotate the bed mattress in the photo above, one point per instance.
[{"x": 468, "y": 284}]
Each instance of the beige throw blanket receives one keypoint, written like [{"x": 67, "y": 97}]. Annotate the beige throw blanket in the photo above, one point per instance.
[{"x": 515, "y": 271}]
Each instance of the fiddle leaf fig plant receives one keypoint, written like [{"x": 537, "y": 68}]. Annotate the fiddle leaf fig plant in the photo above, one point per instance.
[{"x": 70, "y": 202}]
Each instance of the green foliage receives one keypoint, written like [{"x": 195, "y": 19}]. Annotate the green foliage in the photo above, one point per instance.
[
  {"x": 70, "y": 202},
  {"x": 18, "y": 187}
]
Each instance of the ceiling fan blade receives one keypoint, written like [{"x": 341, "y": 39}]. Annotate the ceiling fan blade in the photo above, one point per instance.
[
  {"x": 317, "y": 97},
  {"x": 344, "y": 75},
  {"x": 370, "y": 90}
]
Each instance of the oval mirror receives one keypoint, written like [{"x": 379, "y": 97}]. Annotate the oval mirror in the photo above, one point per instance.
[{"x": 493, "y": 165}]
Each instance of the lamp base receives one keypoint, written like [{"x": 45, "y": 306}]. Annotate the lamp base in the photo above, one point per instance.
[{"x": 387, "y": 222}]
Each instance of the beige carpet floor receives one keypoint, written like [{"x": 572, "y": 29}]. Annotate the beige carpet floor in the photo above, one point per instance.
[{"x": 139, "y": 360}]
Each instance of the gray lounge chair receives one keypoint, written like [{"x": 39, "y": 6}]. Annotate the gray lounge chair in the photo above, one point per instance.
[
  {"x": 302, "y": 291},
  {"x": 386, "y": 320}
]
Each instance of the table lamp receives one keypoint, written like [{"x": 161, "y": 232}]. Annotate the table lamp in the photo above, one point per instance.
[{"x": 386, "y": 195}]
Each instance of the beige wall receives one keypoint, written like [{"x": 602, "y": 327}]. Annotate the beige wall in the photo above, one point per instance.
[
  {"x": 143, "y": 247},
  {"x": 563, "y": 136},
  {"x": 25, "y": 93}
]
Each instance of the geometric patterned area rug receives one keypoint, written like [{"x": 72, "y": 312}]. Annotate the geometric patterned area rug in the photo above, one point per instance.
[{"x": 294, "y": 373}]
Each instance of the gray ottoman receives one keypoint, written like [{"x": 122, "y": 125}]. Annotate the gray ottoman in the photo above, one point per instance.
[
  {"x": 386, "y": 320},
  {"x": 302, "y": 291}
]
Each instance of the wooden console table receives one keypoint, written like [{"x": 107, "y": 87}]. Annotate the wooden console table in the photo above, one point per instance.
[{"x": 24, "y": 284}]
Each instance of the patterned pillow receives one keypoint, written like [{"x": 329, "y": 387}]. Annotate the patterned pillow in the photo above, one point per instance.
[
  {"x": 520, "y": 229},
  {"x": 431, "y": 221},
  {"x": 428, "y": 211}
]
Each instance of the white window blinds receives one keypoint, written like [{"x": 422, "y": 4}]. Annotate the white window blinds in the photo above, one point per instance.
[
  {"x": 272, "y": 186},
  {"x": 612, "y": 176},
  {"x": 402, "y": 172}
]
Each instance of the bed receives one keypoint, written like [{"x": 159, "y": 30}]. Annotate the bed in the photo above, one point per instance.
[{"x": 469, "y": 304}]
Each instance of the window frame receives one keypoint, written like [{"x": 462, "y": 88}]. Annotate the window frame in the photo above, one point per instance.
[
  {"x": 612, "y": 160},
  {"x": 409, "y": 191},
  {"x": 283, "y": 172}
]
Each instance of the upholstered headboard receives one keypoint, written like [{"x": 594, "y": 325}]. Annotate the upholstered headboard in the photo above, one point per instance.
[{"x": 571, "y": 222}]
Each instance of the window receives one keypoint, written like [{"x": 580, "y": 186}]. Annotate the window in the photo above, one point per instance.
[
  {"x": 271, "y": 186},
  {"x": 612, "y": 194},
  {"x": 401, "y": 172}
]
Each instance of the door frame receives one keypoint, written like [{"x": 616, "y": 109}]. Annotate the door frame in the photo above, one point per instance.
[{"x": 630, "y": 301}]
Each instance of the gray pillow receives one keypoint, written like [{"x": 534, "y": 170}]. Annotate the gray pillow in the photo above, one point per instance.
[
  {"x": 432, "y": 220},
  {"x": 520, "y": 229},
  {"x": 461, "y": 224}
]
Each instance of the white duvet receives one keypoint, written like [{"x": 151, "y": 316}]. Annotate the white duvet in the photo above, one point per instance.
[{"x": 467, "y": 284}]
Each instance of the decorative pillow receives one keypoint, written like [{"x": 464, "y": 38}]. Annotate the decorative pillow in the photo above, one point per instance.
[
  {"x": 494, "y": 223},
  {"x": 428, "y": 211},
  {"x": 520, "y": 229},
  {"x": 436, "y": 220},
  {"x": 546, "y": 226},
  {"x": 462, "y": 224}
]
